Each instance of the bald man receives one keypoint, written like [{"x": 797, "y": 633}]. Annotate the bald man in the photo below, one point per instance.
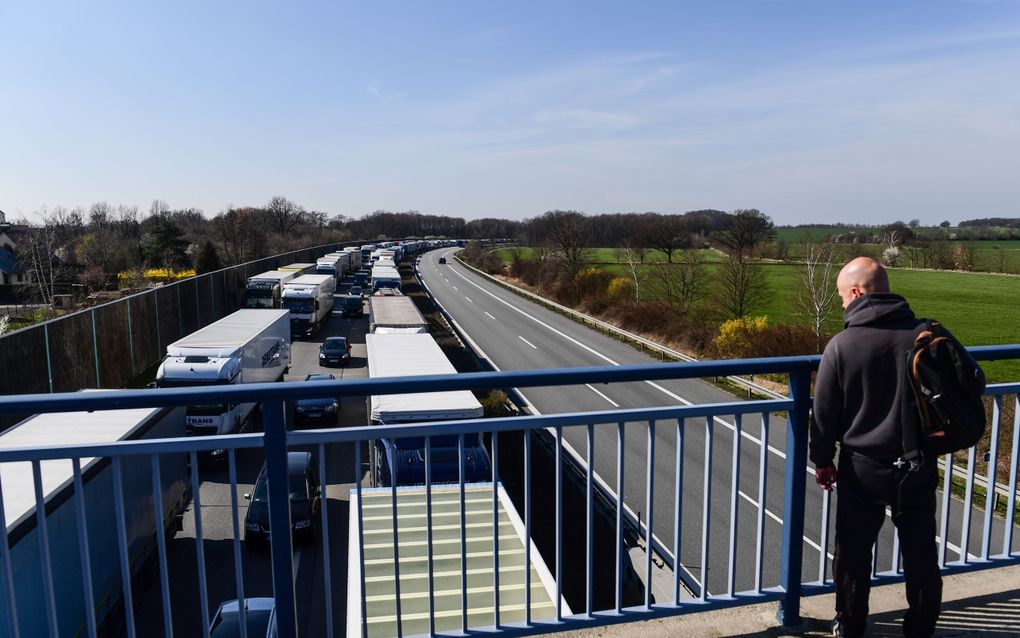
[{"x": 858, "y": 394}]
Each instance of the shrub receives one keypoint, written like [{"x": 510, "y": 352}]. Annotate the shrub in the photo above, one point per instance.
[
  {"x": 620, "y": 289},
  {"x": 737, "y": 337}
]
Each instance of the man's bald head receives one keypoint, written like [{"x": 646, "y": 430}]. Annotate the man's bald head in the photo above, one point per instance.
[{"x": 861, "y": 276}]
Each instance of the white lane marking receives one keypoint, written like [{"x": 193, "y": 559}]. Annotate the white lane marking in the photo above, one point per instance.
[
  {"x": 490, "y": 316},
  {"x": 590, "y": 387},
  {"x": 527, "y": 342},
  {"x": 468, "y": 298},
  {"x": 455, "y": 288},
  {"x": 658, "y": 387},
  {"x": 816, "y": 546}
]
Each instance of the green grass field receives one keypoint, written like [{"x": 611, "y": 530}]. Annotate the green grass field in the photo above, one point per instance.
[{"x": 980, "y": 308}]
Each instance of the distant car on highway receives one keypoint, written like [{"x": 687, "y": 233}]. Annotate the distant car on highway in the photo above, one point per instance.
[
  {"x": 304, "y": 501},
  {"x": 259, "y": 617},
  {"x": 318, "y": 411},
  {"x": 442, "y": 260},
  {"x": 335, "y": 350}
]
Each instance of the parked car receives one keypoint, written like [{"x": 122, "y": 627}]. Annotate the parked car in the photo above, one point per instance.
[
  {"x": 318, "y": 411},
  {"x": 259, "y": 619},
  {"x": 442, "y": 260},
  {"x": 335, "y": 350},
  {"x": 304, "y": 501}
]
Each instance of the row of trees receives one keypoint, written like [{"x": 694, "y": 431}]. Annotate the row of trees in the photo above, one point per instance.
[
  {"x": 92, "y": 246},
  {"x": 681, "y": 296}
]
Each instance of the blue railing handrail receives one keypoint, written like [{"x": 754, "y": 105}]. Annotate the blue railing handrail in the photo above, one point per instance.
[
  {"x": 408, "y": 430},
  {"x": 119, "y": 399}
]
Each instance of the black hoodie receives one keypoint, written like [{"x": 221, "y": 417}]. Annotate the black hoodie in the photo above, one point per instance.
[{"x": 860, "y": 381}]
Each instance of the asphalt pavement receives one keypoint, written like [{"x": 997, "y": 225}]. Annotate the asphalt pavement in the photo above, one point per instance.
[
  {"x": 217, "y": 520},
  {"x": 517, "y": 334}
]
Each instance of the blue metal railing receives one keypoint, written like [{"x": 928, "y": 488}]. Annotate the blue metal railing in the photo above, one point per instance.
[{"x": 694, "y": 586}]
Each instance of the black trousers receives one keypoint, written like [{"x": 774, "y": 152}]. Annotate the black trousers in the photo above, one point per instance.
[{"x": 864, "y": 488}]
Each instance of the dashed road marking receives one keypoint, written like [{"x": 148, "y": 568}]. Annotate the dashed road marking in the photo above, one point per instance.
[{"x": 527, "y": 342}]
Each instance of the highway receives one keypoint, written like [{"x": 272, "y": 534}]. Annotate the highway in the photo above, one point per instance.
[
  {"x": 217, "y": 519},
  {"x": 516, "y": 334}
]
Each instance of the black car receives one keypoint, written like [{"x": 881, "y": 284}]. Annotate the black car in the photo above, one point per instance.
[
  {"x": 318, "y": 411},
  {"x": 442, "y": 260},
  {"x": 335, "y": 350},
  {"x": 356, "y": 290},
  {"x": 304, "y": 501}
]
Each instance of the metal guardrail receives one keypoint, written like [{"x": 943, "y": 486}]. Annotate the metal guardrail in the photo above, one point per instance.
[
  {"x": 605, "y": 326},
  {"x": 36, "y": 600},
  {"x": 958, "y": 472}
]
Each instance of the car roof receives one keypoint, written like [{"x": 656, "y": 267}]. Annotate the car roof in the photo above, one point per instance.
[
  {"x": 334, "y": 339},
  {"x": 250, "y": 604},
  {"x": 320, "y": 376},
  {"x": 297, "y": 465}
]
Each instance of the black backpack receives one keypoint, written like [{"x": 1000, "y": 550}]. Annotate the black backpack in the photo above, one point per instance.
[{"x": 942, "y": 408}]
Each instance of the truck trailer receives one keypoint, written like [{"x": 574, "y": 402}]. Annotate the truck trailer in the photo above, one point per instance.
[
  {"x": 310, "y": 301},
  {"x": 300, "y": 268},
  {"x": 248, "y": 346},
  {"x": 266, "y": 290},
  {"x": 385, "y": 277},
  {"x": 355, "y": 256},
  {"x": 394, "y": 315},
  {"x": 142, "y": 524},
  {"x": 402, "y": 461}
]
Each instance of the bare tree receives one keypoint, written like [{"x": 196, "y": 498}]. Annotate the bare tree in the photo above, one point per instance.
[
  {"x": 963, "y": 256},
  {"x": 680, "y": 286},
  {"x": 283, "y": 215},
  {"x": 568, "y": 242},
  {"x": 668, "y": 234},
  {"x": 39, "y": 249},
  {"x": 236, "y": 230},
  {"x": 633, "y": 261},
  {"x": 745, "y": 231},
  {"x": 740, "y": 286},
  {"x": 1000, "y": 258},
  {"x": 817, "y": 296}
]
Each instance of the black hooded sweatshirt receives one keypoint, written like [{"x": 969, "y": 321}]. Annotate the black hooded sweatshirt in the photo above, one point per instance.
[{"x": 861, "y": 379}]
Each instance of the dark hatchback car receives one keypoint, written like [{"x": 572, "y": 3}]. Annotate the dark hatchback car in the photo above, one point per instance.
[
  {"x": 360, "y": 278},
  {"x": 317, "y": 411},
  {"x": 442, "y": 260},
  {"x": 304, "y": 501},
  {"x": 335, "y": 350}
]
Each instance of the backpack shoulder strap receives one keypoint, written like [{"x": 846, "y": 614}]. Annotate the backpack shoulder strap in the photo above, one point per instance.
[{"x": 910, "y": 416}]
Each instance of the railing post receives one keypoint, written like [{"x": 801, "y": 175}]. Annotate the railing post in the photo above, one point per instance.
[
  {"x": 793, "y": 496},
  {"x": 279, "y": 518}
]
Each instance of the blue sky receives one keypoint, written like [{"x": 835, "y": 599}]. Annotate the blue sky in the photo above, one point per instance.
[{"x": 808, "y": 110}]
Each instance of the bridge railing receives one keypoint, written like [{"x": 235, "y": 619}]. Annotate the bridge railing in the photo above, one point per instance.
[{"x": 717, "y": 528}]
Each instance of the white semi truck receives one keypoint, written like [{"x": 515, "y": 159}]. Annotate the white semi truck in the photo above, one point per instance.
[
  {"x": 396, "y": 314},
  {"x": 266, "y": 290},
  {"x": 140, "y": 521},
  {"x": 310, "y": 301},
  {"x": 248, "y": 346},
  {"x": 337, "y": 264}
]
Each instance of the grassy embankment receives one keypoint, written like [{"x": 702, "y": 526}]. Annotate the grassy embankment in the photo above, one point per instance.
[{"x": 980, "y": 308}]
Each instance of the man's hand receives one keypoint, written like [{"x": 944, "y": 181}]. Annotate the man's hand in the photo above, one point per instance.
[{"x": 826, "y": 477}]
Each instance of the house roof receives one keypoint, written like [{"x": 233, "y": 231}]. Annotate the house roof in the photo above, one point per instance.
[{"x": 10, "y": 263}]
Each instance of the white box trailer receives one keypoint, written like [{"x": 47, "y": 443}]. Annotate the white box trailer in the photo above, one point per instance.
[
  {"x": 395, "y": 315},
  {"x": 248, "y": 346},
  {"x": 84, "y": 428},
  {"x": 401, "y": 461},
  {"x": 266, "y": 289},
  {"x": 309, "y": 299},
  {"x": 355, "y": 256},
  {"x": 385, "y": 277},
  {"x": 300, "y": 268}
]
